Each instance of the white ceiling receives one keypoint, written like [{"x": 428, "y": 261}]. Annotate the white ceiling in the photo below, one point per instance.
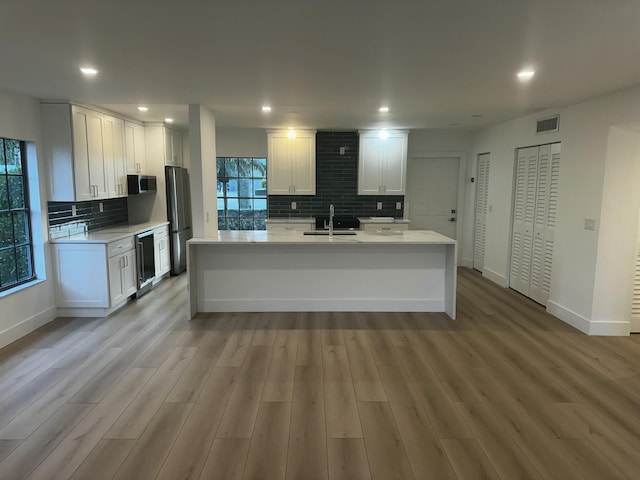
[{"x": 322, "y": 63}]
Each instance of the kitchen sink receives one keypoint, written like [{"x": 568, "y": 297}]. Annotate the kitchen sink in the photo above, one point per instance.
[{"x": 326, "y": 232}]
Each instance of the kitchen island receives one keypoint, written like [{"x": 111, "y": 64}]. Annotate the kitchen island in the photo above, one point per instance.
[{"x": 259, "y": 271}]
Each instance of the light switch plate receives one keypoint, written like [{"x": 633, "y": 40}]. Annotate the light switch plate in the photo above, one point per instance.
[
  {"x": 74, "y": 211},
  {"x": 293, "y": 205},
  {"x": 589, "y": 224},
  {"x": 101, "y": 206},
  {"x": 398, "y": 205},
  {"x": 379, "y": 206}
]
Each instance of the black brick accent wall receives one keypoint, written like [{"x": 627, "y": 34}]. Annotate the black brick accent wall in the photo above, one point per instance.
[
  {"x": 114, "y": 213},
  {"x": 337, "y": 183}
]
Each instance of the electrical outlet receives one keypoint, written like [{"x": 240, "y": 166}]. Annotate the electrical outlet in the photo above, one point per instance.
[
  {"x": 74, "y": 211},
  {"x": 398, "y": 205},
  {"x": 293, "y": 205},
  {"x": 101, "y": 207},
  {"x": 379, "y": 205},
  {"x": 589, "y": 224}
]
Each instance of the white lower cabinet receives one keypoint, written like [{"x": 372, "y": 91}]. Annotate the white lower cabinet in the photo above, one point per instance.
[
  {"x": 293, "y": 226},
  {"x": 122, "y": 276},
  {"x": 383, "y": 227},
  {"x": 81, "y": 275},
  {"x": 93, "y": 279},
  {"x": 162, "y": 255}
]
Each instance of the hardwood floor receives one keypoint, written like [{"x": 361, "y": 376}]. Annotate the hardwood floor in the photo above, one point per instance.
[{"x": 504, "y": 392}]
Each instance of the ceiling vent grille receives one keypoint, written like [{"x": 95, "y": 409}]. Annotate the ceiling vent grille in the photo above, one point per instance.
[{"x": 548, "y": 125}]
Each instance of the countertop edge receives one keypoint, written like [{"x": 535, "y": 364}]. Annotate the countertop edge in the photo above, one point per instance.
[
  {"x": 413, "y": 237},
  {"x": 111, "y": 234}
]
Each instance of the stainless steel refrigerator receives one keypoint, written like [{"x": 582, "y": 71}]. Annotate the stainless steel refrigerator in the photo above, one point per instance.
[{"x": 179, "y": 216}]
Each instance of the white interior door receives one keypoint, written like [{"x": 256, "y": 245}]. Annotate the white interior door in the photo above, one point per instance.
[
  {"x": 545, "y": 222},
  {"x": 482, "y": 198},
  {"x": 433, "y": 194},
  {"x": 534, "y": 220},
  {"x": 523, "y": 217},
  {"x": 635, "y": 300}
]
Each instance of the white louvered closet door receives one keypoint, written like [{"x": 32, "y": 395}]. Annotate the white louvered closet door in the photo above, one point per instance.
[
  {"x": 635, "y": 299},
  {"x": 523, "y": 218},
  {"x": 544, "y": 222},
  {"x": 482, "y": 197},
  {"x": 535, "y": 213}
]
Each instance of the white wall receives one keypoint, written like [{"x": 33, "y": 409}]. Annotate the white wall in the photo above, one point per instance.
[
  {"x": 29, "y": 307},
  {"x": 585, "y": 134},
  {"x": 202, "y": 149},
  {"x": 616, "y": 248},
  {"x": 439, "y": 140},
  {"x": 241, "y": 142}
]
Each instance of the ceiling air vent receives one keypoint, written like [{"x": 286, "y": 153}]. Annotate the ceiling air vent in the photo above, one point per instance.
[{"x": 548, "y": 125}]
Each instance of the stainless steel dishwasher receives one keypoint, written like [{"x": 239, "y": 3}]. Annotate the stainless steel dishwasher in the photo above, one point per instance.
[{"x": 146, "y": 262}]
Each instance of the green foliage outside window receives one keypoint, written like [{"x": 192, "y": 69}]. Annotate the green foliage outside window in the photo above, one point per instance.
[
  {"x": 242, "y": 193},
  {"x": 16, "y": 256}
]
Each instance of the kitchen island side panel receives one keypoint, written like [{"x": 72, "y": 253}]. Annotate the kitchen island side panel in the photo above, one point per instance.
[{"x": 322, "y": 277}]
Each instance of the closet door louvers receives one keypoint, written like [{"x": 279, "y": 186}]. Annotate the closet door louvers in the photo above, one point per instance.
[
  {"x": 482, "y": 197},
  {"x": 635, "y": 299},
  {"x": 535, "y": 212},
  {"x": 524, "y": 215}
]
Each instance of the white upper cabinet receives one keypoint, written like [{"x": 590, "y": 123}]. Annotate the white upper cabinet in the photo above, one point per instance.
[
  {"x": 172, "y": 147},
  {"x": 83, "y": 148},
  {"x": 382, "y": 166},
  {"x": 115, "y": 159},
  {"x": 134, "y": 147},
  {"x": 291, "y": 162}
]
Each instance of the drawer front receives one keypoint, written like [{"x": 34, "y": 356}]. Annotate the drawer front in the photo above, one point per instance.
[
  {"x": 385, "y": 227},
  {"x": 297, "y": 227},
  {"x": 161, "y": 232},
  {"x": 120, "y": 246}
]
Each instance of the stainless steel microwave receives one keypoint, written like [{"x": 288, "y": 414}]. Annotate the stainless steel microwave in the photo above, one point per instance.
[{"x": 141, "y": 184}]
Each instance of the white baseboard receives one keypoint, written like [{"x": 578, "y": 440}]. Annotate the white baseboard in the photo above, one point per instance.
[
  {"x": 587, "y": 326},
  {"x": 568, "y": 316},
  {"x": 320, "y": 305},
  {"x": 466, "y": 262},
  {"x": 612, "y": 329},
  {"x": 26, "y": 326},
  {"x": 495, "y": 277}
]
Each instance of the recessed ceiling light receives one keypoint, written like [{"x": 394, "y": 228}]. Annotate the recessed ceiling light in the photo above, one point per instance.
[
  {"x": 143, "y": 109},
  {"x": 383, "y": 109},
  {"x": 89, "y": 71},
  {"x": 476, "y": 115},
  {"x": 266, "y": 108},
  {"x": 168, "y": 120},
  {"x": 526, "y": 74}
]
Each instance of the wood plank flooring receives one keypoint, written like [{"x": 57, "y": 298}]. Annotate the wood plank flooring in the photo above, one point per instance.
[{"x": 503, "y": 392}]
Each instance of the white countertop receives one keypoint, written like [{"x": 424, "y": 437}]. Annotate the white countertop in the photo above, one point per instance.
[
  {"x": 110, "y": 234},
  {"x": 408, "y": 237}
]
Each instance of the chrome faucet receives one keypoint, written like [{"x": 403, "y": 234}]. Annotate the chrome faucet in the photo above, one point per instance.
[{"x": 331, "y": 214}]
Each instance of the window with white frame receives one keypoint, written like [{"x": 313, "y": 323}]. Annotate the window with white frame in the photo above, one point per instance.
[{"x": 16, "y": 248}]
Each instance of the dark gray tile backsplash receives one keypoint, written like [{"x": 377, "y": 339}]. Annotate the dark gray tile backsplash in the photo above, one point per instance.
[
  {"x": 88, "y": 214},
  {"x": 337, "y": 183}
]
